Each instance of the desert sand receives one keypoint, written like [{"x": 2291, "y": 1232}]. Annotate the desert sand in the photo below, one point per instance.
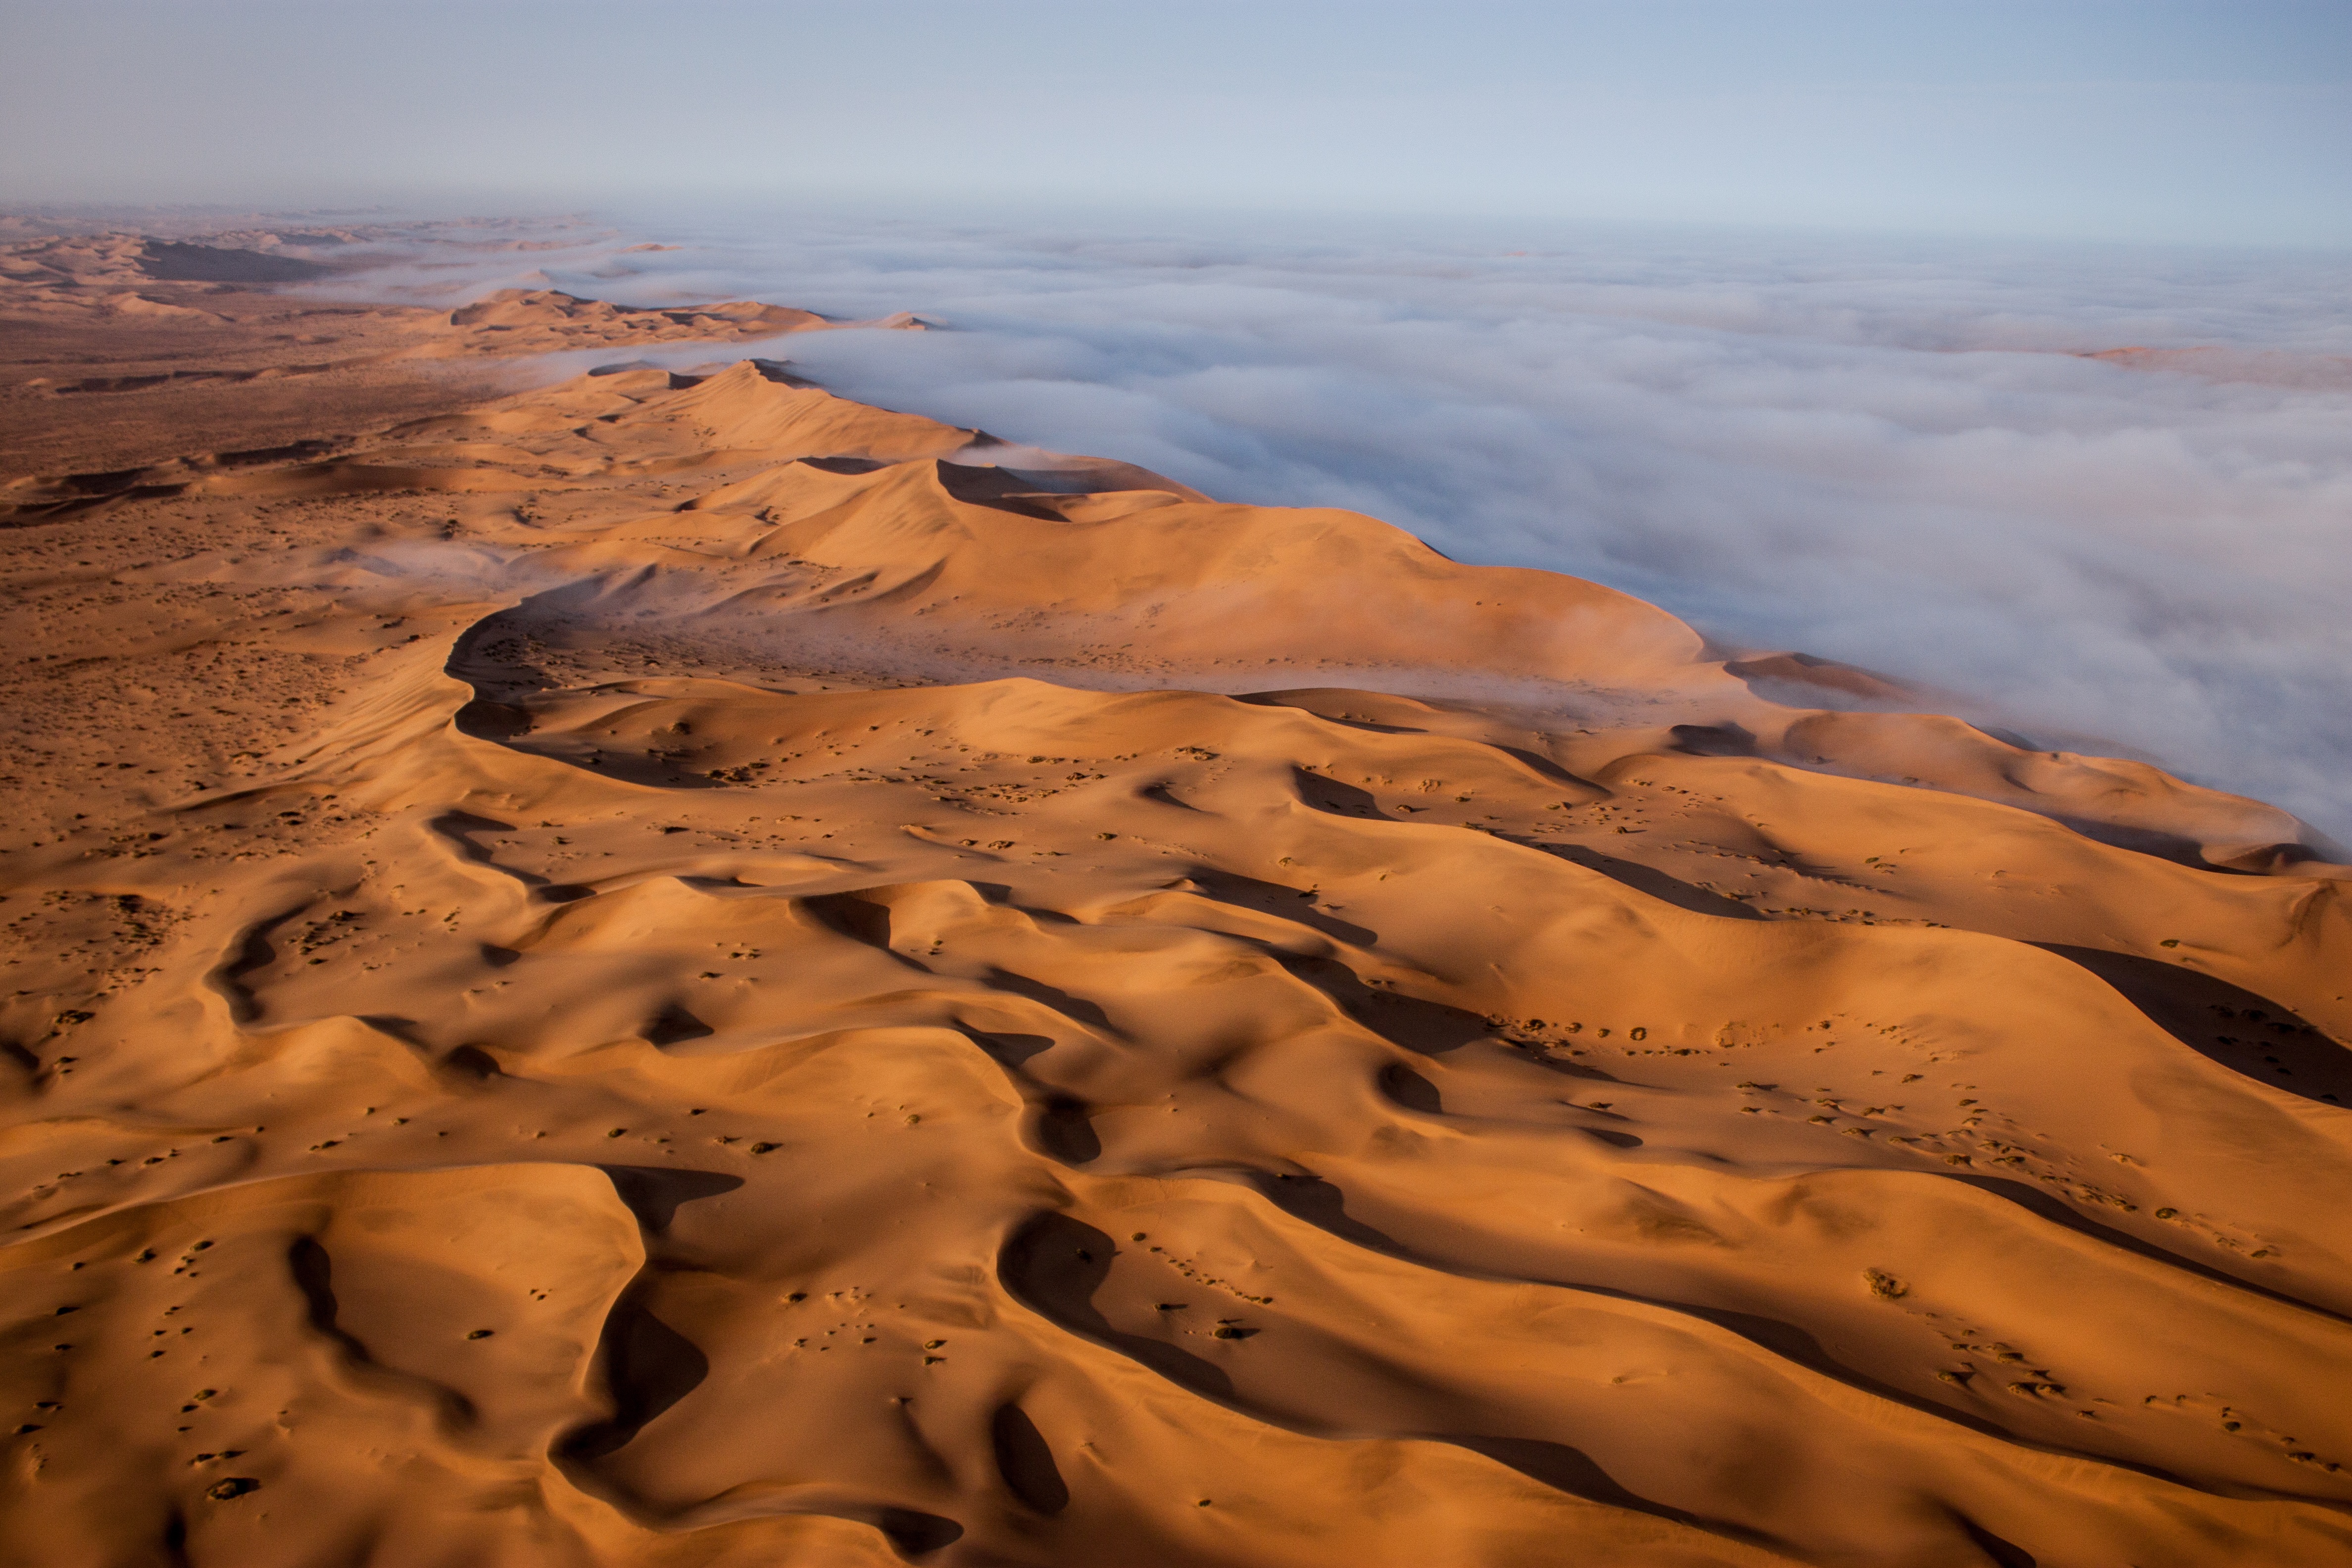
[{"x": 667, "y": 968}]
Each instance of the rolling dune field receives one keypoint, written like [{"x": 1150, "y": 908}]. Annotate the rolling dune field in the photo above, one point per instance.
[{"x": 671, "y": 969}]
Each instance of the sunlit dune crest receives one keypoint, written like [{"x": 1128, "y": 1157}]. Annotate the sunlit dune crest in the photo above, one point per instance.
[
  {"x": 547, "y": 319},
  {"x": 673, "y": 968}
]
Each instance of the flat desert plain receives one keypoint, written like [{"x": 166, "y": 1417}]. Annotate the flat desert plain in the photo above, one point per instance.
[{"x": 666, "y": 968}]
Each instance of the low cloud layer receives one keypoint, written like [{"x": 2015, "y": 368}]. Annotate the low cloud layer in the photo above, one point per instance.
[{"x": 1887, "y": 455}]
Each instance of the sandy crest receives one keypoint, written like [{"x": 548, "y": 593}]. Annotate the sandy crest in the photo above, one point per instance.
[{"x": 673, "y": 969}]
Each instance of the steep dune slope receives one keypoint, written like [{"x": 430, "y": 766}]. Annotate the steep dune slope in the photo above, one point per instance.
[{"x": 707, "y": 974}]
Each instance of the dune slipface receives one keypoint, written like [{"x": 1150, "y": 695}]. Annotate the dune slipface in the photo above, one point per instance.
[{"x": 673, "y": 969}]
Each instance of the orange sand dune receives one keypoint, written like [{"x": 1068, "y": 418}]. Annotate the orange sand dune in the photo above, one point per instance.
[
  {"x": 123, "y": 350},
  {"x": 678, "y": 970},
  {"x": 545, "y": 319}
]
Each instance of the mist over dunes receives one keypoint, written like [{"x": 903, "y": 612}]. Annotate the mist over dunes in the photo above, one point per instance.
[{"x": 2023, "y": 476}]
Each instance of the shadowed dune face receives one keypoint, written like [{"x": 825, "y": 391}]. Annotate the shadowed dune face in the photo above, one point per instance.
[{"x": 706, "y": 974}]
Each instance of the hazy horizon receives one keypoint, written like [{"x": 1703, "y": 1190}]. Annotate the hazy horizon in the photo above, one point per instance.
[{"x": 2177, "y": 121}]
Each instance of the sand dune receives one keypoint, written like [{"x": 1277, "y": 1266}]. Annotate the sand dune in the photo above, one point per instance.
[
  {"x": 545, "y": 319},
  {"x": 97, "y": 330},
  {"x": 672, "y": 969}
]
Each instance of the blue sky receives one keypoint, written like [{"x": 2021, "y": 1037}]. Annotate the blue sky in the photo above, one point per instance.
[{"x": 2156, "y": 119}]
